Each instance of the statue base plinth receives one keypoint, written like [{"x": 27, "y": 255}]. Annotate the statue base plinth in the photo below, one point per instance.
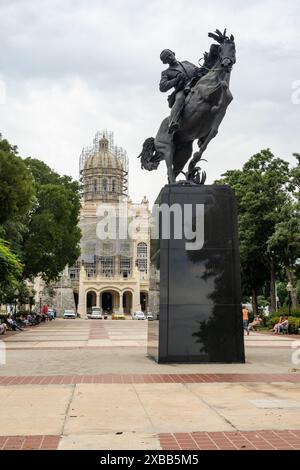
[{"x": 195, "y": 294}]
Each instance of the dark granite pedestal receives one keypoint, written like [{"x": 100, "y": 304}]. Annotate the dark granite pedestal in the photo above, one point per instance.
[{"x": 195, "y": 294}]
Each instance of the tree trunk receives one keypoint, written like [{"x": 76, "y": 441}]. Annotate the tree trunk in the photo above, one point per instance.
[
  {"x": 290, "y": 276},
  {"x": 272, "y": 285},
  {"x": 254, "y": 301}
]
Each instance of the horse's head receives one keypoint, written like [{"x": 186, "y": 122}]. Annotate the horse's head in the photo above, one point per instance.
[{"x": 226, "y": 49}]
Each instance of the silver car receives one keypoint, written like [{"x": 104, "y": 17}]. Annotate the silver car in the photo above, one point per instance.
[
  {"x": 96, "y": 314},
  {"x": 138, "y": 316},
  {"x": 69, "y": 314}
]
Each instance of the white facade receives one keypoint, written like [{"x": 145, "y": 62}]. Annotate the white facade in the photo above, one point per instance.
[{"x": 113, "y": 269}]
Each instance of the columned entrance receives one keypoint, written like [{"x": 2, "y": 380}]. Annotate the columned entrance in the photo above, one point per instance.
[
  {"x": 127, "y": 302},
  {"x": 91, "y": 300},
  {"x": 111, "y": 301},
  {"x": 107, "y": 302}
]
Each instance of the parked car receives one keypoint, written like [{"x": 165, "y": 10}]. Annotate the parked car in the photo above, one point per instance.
[
  {"x": 69, "y": 314},
  {"x": 118, "y": 316},
  {"x": 138, "y": 316},
  {"x": 96, "y": 314},
  {"x": 150, "y": 316}
]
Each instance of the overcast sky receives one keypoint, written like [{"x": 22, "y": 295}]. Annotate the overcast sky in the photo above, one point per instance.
[{"x": 71, "y": 67}]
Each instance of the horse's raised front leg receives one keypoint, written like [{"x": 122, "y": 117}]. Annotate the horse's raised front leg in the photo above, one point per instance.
[{"x": 202, "y": 144}]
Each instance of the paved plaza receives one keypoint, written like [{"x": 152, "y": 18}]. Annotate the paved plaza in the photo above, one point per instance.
[{"x": 83, "y": 384}]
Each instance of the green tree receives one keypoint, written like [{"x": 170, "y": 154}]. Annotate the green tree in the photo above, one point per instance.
[
  {"x": 285, "y": 242},
  {"x": 16, "y": 183},
  {"x": 261, "y": 193},
  {"x": 39, "y": 214},
  {"x": 10, "y": 268},
  {"x": 52, "y": 239}
]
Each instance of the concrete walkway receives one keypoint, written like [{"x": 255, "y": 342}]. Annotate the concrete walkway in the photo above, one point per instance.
[{"x": 82, "y": 384}]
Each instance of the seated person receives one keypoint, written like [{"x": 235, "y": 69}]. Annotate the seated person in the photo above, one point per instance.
[
  {"x": 253, "y": 325},
  {"x": 277, "y": 325},
  {"x": 281, "y": 326},
  {"x": 2, "y": 328},
  {"x": 13, "y": 324},
  {"x": 284, "y": 325}
]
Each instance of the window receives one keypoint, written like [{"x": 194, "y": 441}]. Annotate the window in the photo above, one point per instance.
[
  {"x": 142, "y": 253},
  {"x": 74, "y": 270},
  {"x": 113, "y": 186},
  {"x": 104, "y": 185},
  {"x": 90, "y": 269},
  {"x": 107, "y": 266},
  {"x": 125, "y": 265}
]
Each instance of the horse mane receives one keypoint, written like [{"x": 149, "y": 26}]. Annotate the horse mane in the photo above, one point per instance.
[{"x": 211, "y": 57}]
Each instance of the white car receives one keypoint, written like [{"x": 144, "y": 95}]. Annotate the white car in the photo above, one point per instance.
[
  {"x": 96, "y": 314},
  {"x": 138, "y": 316},
  {"x": 69, "y": 314}
]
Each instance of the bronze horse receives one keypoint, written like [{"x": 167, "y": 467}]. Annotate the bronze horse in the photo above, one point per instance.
[{"x": 204, "y": 110}]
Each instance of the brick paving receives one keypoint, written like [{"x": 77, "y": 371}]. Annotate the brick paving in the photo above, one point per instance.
[
  {"x": 240, "y": 440},
  {"x": 147, "y": 378},
  {"x": 126, "y": 342},
  {"x": 29, "y": 442}
]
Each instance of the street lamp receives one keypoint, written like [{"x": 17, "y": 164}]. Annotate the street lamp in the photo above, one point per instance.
[
  {"x": 40, "y": 295},
  {"x": 16, "y": 295},
  {"x": 30, "y": 294},
  {"x": 289, "y": 288}
]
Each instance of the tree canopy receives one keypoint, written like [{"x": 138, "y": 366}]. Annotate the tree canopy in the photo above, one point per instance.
[
  {"x": 39, "y": 216},
  {"x": 265, "y": 190},
  {"x": 16, "y": 183}
]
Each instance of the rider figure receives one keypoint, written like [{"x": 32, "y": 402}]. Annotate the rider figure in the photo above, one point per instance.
[{"x": 181, "y": 76}]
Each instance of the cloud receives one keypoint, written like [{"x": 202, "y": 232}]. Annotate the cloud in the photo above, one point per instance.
[{"x": 71, "y": 67}]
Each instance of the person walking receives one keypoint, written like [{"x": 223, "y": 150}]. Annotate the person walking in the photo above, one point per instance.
[{"x": 245, "y": 318}]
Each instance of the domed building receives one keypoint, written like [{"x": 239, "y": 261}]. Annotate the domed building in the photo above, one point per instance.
[
  {"x": 104, "y": 172},
  {"x": 113, "y": 269}
]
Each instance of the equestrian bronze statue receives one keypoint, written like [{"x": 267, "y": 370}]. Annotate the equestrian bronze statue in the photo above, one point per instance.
[{"x": 199, "y": 102}]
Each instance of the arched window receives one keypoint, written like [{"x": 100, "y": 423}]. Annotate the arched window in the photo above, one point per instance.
[
  {"x": 142, "y": 255},
  {"x": 113, "y": 186},
  {"x": 105, "y": 185}
]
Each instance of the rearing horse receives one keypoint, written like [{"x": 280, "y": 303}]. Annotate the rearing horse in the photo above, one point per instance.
[{"x": 204, "y": 110}]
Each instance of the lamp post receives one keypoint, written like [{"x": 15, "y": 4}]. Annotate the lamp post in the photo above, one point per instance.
[
  {"x": 30, "y": 298},
  {"x": 16, "y": 295},
  {"x": 289, "y": 288},
  {"x": 40, "y": 294}
]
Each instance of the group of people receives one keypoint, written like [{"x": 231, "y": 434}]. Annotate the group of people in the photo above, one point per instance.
[
  {"x": 281, "y": 326},
  {"x": 250, "y": 326},
  {"x": 32, "y": 319}
]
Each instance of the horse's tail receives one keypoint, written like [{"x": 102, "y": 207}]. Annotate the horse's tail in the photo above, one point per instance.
[{"x": 150, "y": 158}]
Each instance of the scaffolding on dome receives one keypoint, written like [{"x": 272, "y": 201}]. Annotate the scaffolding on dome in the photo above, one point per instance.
[{"x": 119, "y": 152}]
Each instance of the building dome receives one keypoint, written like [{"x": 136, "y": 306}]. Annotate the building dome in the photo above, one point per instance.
[
  {"x": 104, "y": 170},
  {"x": 103, "y": 158}
]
